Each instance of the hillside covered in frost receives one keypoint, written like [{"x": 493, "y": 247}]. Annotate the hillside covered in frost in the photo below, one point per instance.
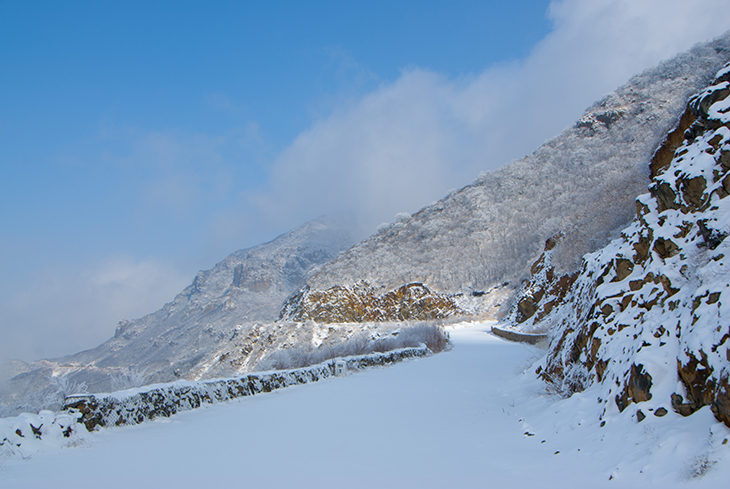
[
  {"x": 582, "y": 183},
  {"x": 229, "y": 301},
  {"x": 301, "y": 294},
  {"x": 644, "y": 326}
]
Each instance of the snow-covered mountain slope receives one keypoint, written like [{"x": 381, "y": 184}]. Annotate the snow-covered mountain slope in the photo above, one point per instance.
[
  {"x": 230, "y": 300},
  {"x": 582, "y": 183},
  {"x": 644, "y": 327},
  {"x": 463, "y": 248}
]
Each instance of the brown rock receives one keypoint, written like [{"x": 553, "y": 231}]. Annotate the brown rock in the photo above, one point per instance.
[
  {"x": 594, "y": 348},
  {"x": 601, "y": 369},
  {"x": 641, "y": 211},
  {"x": 624, "y": 268},
  {"x": 639, "y": 386},
  {"x": 684, "y": 229},
  {"x": 526, "y": 308},
  {"x": 665, "y": 248},
  {"x": 641, "y": 247},
  {"x": 660, "y": 412},
  {"x": 667, "y": 284},
  {"x": 553, "y": 241},
  {"x": 664, "y": 155},
  {"x": 665, "y": 196},
  {"x": 360, "y": 304},
  {"x": 635, "y": 285},
  {"x": 680, "y": 407},
  {"x": 701, "y": 105},
  {"x": 637, "y": 389},
  {"x": 693, "y": 191},
  {"x": 721, "y": 406},
  {"x": 696, "y": 375},
  {"x": 715, "y": 140},
  {"x": 724, "y": 159}
]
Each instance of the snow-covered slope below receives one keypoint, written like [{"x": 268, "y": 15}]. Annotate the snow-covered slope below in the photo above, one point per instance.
[
  {"x": 582, "y": 183},
  {"x": 464, "y": 418},
  {"x": 644, "y": 328}
]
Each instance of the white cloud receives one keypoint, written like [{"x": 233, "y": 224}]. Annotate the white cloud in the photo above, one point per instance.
[
  {"x": 403, "y": 145},
  {"x": 68, "y": 310}
]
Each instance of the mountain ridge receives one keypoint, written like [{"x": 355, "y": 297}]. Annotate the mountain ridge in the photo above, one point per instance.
[
  {"x": 244, "y": 289},
  {"x": 605, "y": 144},
  {"x": 467, "y": 245}
]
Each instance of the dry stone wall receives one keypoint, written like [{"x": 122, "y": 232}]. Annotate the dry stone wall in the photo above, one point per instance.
[{"x": 165, "y": 400}]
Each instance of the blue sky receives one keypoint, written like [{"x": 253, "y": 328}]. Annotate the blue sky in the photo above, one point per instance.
[
  {"x": 84, "y": 83},
  {"x": 143, "y": 141}
]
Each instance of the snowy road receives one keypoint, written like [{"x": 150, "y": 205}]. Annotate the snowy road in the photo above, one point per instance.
[{"x": 451, "y": 420}]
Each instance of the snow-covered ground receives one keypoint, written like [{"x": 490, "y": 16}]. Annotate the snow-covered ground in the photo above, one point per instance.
[{"x": 468, "y": 417}]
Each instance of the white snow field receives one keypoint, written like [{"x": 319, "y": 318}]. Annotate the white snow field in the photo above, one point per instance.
[{"x": 474, "y": 416}]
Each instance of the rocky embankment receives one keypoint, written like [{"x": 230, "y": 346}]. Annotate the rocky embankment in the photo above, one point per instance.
[
  {"x": 166, "y": 400},
  {"x": 538, "y": 295},
  {"x": 361, "y": 303},
  {"x": 645, "y": 322}
]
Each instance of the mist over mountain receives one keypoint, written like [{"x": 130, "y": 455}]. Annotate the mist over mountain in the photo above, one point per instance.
[
  {"x": 582, "y": 183},
  {"x": 246, "y": 288},
  {"x": 457, "y": 253}
]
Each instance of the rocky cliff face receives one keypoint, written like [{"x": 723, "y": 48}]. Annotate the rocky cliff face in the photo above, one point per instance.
[
  {"x": 645, "y": 322},
  {"x": 539, "y": 294},
  {"x": 583, "y": 183}
]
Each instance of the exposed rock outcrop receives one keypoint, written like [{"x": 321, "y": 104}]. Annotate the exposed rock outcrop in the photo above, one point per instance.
[
  {"x": 650, "y": 310},
  {"x": 541, "y": 292},
  {"x": 361, "y": 303}
]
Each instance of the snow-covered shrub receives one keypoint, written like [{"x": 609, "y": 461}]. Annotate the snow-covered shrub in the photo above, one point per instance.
[
  {"x": 432, "y": 336},
  {"x": 49, "y": 398},
  {"x": 28, "y": 434},
  {"x": 128, "y": 378}
]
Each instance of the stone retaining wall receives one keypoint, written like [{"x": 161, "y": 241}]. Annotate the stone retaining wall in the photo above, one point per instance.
[
  {"x": 167, "y": 399},
  {"x": 530, "y": 338}
]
